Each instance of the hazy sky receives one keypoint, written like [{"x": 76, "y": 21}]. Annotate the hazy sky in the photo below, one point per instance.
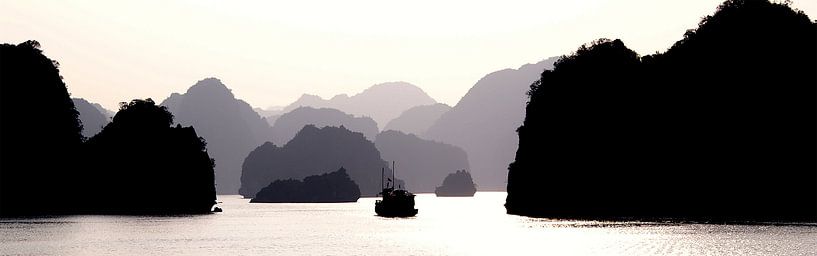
[{"x": 270, "y": 52}]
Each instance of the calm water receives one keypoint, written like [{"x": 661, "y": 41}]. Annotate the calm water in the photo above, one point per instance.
[{"x": 445, "y": 226}]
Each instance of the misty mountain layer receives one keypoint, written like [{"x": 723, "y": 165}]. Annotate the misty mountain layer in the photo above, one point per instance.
[
  {"x": 418, "y": 119},
  {"x": 313, "y": 151},
  {"x": 92, "y": 119},
  {"x": 422, "y": 164},
  {"x": 484, "y": 122},
  {"x": 290, "y": 123},
  {"x": 382, "y": 102},
  {"x": 229, "y": 125}
]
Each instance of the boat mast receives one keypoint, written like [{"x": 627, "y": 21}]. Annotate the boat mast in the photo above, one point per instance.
[
  {"x": 382, "y": 173},
  {"x": 393, "y": 175}
]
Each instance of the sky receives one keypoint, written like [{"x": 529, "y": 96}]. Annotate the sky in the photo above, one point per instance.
[{"x": 271, "y": 52}]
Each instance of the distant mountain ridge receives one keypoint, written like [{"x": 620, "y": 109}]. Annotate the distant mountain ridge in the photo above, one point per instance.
[
  {"x": 418, "y": 119},
  {"x": 106, "y": 112},
  {"x": 271, "y": 114},
  {"x": 382, "y": 102},
  {"x": 92, "y": 119},
  {"x": 422, "y": 164},
  {"x": 290, "y": 123},
  {"x": 484, "y": 122},
  {"x": 229, "y": 125},
  {"x": 311, "y": 152}
]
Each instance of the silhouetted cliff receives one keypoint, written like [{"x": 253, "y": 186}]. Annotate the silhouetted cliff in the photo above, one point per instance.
[
  {"x": 312, "y": 151},
  {"x": 142, "y": 164},
  {"x": 422, "y": 164},
  {"x": 418, "y": 119},
  {"x": 136, "y": 164},
  {"x": 39, "y": 132},
  {"x": 92, "y": 119},
  {"x": 701, "y": 131},
  {"x": 484, "y": 121},
  {"x": 290, "y": 123},
  {"x": 458, "y": 183},
  {"x": 333, "y": 187},
  {"x": 230, "y": 126},
  {"x": 382, "y": 102}
]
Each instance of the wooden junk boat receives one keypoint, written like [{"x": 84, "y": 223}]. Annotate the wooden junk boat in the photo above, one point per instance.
[{"x": 395, "y": 202}]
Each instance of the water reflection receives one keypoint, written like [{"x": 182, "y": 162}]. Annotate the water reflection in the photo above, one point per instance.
[{"x": 444, "y": 226}]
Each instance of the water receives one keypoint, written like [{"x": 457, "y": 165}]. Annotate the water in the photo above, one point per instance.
[{"x": 444, "y": 226}]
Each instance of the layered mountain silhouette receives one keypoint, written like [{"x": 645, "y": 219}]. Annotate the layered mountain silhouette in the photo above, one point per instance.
[
  {"x": 382, "y": 102},
  {"x": 313, "y": 151},
  {"x": 104, "y": 111},
  {"x": 484, "y": 122},
  {"x": 271, "y": 111},
  {"x": 700, "y": 131},
  {"x": 333, "y": 187},
  {"x": 418, "y": 119},
  {"x": 92, "y": 119},
  {"x": 271, "y": 114},
  {"x": 230, "y": 126},
  {"x": 290, "y": 123},
  {"x": 422, "y": 164},
  {"x": 46, "y": 169}
]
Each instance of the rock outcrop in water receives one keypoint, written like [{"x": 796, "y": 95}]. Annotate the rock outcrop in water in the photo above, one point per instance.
[
  {"x": 142, "y": 164},
  {"x": 230, "y": 126},
  {"x": 484, "y": 120},
  {"x": 422, "y": 164},
  {"x": 313, "y": 151},
  {"x": 333, "y": 187},
  {"x": 458, "y": 183},
  {"x": 287, "y": 125},
  {"x": 701, "y": 131}
]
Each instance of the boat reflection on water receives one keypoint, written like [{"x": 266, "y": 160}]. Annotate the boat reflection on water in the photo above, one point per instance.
[{"x": 395, "y": 202}]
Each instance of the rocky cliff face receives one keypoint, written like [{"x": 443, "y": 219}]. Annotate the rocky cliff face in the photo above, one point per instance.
[{"x": 700, "y": 131}]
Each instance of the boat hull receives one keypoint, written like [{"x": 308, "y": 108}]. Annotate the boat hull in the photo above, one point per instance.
[{"x": 386, "y": 210}]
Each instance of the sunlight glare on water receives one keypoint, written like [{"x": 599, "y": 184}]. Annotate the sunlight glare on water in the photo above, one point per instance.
[{"x": 444, "y": 226}]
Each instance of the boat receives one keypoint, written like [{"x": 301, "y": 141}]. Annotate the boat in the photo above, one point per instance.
[{"x": 396, "y": 202}]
